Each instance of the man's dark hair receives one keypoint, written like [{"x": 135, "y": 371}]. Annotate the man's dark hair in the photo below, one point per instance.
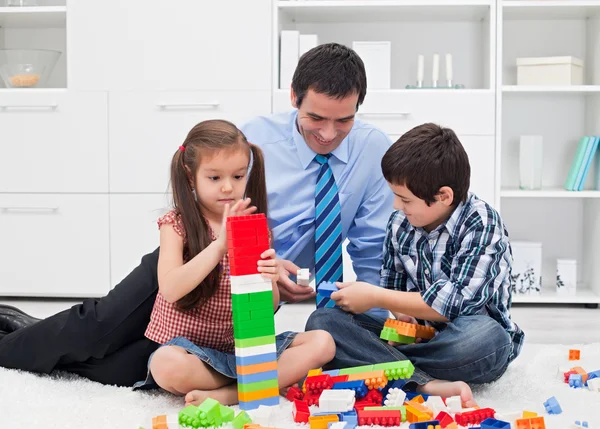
[
  {"x": 331, "y": 69},
  {"x": 427, "y": 158}
]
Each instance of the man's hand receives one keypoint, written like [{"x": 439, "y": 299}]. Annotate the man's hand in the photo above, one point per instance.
[
  {"x": 288, "y": 290},
  {"x": 355, "y": 297}
]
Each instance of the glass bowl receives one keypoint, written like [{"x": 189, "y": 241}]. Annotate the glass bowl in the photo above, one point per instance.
[{"x": 27, "y": 68}]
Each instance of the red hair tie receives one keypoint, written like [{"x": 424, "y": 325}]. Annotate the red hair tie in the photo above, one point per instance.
[{"x": 182, "y": 148}]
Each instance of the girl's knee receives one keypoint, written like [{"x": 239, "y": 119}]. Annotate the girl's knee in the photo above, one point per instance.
[{"x": 168, "y": 365}]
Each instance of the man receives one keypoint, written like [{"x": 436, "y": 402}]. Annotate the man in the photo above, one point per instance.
[{"x": 325, "y": 185}]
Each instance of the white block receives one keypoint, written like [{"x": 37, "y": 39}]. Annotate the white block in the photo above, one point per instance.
[
  {"x": 288, "y": 57},
  {"x": 395, "y": 397},
  {"x": 256, "y": 350},
  {"x": 306, "y": 43},
  {"x": 247, "y": 280},
  {"x": 336, "y": 400},
  {"x": 549, "y": 71},
  {"x": 266, "y": 285},
  {"x": 377, "y": 59},
  {"x": 303, "y": 277},
  {"x": 454, "y": 404},
  {"x": 337, "y": 425},
  {"x": 436, "y": 404},
  {"x": 261, "y": 415},
  {"x": 594, "y": 384}
]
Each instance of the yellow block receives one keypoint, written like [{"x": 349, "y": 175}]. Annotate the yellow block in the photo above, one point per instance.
[{"x": 529, "y": 414}]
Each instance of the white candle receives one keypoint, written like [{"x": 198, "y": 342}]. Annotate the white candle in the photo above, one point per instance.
[
  {"x": 449, "y": 67},
  {"x": 420, "y": 68},
  {"x": 436, "y": 67}
]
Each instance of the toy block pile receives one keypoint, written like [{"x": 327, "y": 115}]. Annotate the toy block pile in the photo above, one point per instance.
[
  {"x": 209, "y": 414},
  {"x": 405, "y": 333},
  {"x": 252, "y": 308},
  {"x": 577, "y": 377}
]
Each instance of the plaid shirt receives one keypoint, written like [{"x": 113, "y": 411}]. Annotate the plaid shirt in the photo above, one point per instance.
[{"x": 461, "y": 268}]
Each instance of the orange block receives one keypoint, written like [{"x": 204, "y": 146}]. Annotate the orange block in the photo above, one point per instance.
[
  {"x": 574, "y": 354},
  {"x": 532, "y": 423},
  {"x": 312, "y": 372},
  {"x": 159, "y": 422},
  {"x": 259, "y": 367},
  {"x": 579, "y": 370},
  {"x": 420, "y": 407},
  {"x": 410, "y": 329},
  {"x": 373, "y": 379},
  {"x": 258, "y": 394},
  {"x": 414, "y": 415},
  {"x": 418, "y": 399}
]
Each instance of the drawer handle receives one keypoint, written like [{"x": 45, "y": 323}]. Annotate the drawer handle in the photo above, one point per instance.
[
  {"x": 29, "y": 106},
  {"x": 183, "y": 105},
  {"x": 29, "y": 209},
  {"x": 385, "y": 114}
]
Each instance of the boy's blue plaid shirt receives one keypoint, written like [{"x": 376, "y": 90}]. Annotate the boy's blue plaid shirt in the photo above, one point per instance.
[{"x": 461, "y": 268}]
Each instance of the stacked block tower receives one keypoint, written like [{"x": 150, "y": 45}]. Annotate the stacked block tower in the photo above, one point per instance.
[{"x": 252, "y": 307}]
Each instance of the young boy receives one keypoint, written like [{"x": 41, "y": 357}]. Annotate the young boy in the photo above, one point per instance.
[{"x": 446, "y": 262}]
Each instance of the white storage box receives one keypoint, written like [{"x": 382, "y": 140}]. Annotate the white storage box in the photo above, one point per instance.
[
  {"x": 566, "y": 276},
  {"x": 377, "y": 59},
  {"x": 527, "y": 267},
  {"x": 549, "y": 71}
]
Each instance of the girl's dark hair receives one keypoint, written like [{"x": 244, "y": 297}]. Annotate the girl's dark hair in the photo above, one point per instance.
[{"x": 203, "y": 140}]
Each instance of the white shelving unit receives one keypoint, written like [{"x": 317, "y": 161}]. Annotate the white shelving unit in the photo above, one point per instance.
[
  {"x": 567, "y": 223},
  {"x": 38, "y": 27}
]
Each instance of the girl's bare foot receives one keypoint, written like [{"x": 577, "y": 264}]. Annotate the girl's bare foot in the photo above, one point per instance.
[
  {"x": 227, "y": 395},
  {"x": 446, "y": 389}
]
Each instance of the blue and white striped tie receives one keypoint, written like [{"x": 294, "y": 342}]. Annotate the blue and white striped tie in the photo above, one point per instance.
[{"x": 328, "y": 227}]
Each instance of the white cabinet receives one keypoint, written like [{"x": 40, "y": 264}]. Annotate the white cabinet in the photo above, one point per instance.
[
  {"x": 54, "y": 245},
  {"x": 185, "y": 44},
  {"x": 133, "y": 230},
  {"x": 53, "y": 141},
  {"x": 148, "y": 127}
]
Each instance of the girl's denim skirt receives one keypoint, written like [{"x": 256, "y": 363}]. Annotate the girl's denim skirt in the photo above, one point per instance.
[{"x": 223, "y": 363}]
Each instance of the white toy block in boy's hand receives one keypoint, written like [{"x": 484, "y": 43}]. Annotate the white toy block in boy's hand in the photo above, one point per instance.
[
  {"x": 395, "y": 397},
  {"x": 336, "y": 401},
  {"x": 454, "y": 404},
  {"x": 303, "y": 277}
]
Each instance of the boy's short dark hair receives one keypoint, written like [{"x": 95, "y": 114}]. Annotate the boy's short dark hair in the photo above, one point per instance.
[
  {"x": 427, "y": 158},
  {"x": 331, "y": 69}
]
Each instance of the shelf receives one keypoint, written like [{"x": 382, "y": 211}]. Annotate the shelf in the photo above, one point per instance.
[
  {"x": 549, "y": 296},
  {"x": 286, "y": 92},
  {"x": 551, "y": 89},
  {"x": 550, "y": 9},
  {"x": 33, "y": 17},
  {"x": 381, "y": 10},
  {"x": 548, "y": 193}
]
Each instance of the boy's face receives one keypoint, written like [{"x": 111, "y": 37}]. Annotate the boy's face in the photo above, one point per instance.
[
  {"x": 418, "y": 213},
  {"x": 324, "y": 121}
]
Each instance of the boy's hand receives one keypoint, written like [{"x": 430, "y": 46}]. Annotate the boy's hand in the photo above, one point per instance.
[
  {"x": 269, "y": 266},
  {"x": 355, "y": 297},
  {"x": 404, "y": 318}
]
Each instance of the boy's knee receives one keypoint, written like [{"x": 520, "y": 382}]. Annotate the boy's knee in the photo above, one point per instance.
[
  {"x": 323, "y": 319},
  {"x": 325, "y": 344}
]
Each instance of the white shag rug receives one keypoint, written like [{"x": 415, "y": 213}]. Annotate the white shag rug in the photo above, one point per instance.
[{"x": 64, "y": 402}]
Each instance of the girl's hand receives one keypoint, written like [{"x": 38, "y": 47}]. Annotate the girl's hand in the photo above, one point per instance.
[
  {"x": 269, "y": 266},
  {"x": 239, "y": 208}
]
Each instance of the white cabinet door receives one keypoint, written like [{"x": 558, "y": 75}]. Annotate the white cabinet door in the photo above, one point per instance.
[
  {"x": 183, "y": 44},
  {"x": 53, "y": 141},
  {"x": 133, "y": 230},
  {"x": 146, "y": 128},
  {"x": 54, "y": 245}
]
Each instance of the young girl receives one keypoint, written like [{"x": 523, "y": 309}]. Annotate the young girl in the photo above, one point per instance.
[{"x": 212, "y": 179}]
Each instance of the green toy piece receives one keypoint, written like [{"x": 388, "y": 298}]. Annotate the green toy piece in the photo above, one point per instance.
[{"x": 241, "y": 419}]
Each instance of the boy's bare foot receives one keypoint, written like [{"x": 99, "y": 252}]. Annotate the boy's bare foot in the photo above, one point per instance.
[
  {"x": 227, "y": 395},
  {"x": 446, "y": 389}
]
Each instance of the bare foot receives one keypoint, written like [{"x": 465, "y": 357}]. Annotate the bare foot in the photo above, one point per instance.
[
  {"x": 446, "y": 389},
  {"x": 227, "y": 395}
]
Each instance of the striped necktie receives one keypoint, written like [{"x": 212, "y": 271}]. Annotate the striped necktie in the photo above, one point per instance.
[{"x": 328, "y": 226}]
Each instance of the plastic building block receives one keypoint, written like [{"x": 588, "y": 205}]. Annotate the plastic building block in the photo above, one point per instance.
[
  {"x": 300, "y": 411},
  {"x": 294, "y": 393},
  {"x": 529, "y": 414},
  {"x": 358, "y": 386},
  {"x": 258, "y": 394},
  {"x": 568, "y": 374},
  {"x": 552, "y": 406},
  {"x": 316, "y": 384},
  {"x": 531, "y": 423},
  {"x": 579, "y": 370},
  {"x": 575, "y": 380},
  {"x": 336, "y": 400},
  {"x": 401, "y": 408},
  {"x": 435, "y": 404},
  {"x": 227, "y": 414},
  {"x": 494, "y": 424},
  {"x": 444, "y": 418},
  {"x": 414, "y": 414},
  {"x": 396, "y": 370},
  {"x": 321, "y": 422},
  {"x": 337, "y": 425},
  {"x": 579, "y": 424},
  {"x": 373, "y": 379},
  {"x": 273, "y": 400},
  {"x": 159, "y": 422},
  {"x": 454, "y": 404},
  {"x": 316, "y": 371},
  {"x": 350, "y": 417},
  {"x": 379, "y": 417},
  {"x": 394, "y": 398},
  {"x": 332, "y": 372},
  {"x": 303, "y": 277},
  {"x": 338, "y": 378},
  {"x": 474, "y": 417},
  {"x": 431, "y": 424},
  {"x": 574, "y": 354},
  {"x": 326, "y": 289},
  {"x": 374, "y": 396},
  {"x": 594, "y": 384}
]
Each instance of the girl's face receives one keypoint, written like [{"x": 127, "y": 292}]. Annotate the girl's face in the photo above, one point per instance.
[{"x": 220, "y": 180}]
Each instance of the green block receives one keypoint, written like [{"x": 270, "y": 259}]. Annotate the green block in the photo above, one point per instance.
[
  {"x": 189, "y": 417},
  {"x": 356, "y": 370},
  {"x": 240, "y": 299},
  {"x": 241, "y": 419},
  {"x": 266, "y": 296},
  {"x": 227, "y": 414},
  {"x": 262, "y": 314},
  {"x": 390, "y": 334},
  {"x": 396, "y": 370},
  {"x": 251, "y": 306},
  {"x": 402, "y": 410},
  {"x": 246, "y": 333},
  {"x": 251, "y": 342},
  {"x": 253, "y": 324},
  {"x": 241, "y": 316},
  {"x": 259, "y": 385}
]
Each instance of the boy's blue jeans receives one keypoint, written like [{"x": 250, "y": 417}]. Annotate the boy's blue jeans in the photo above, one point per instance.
[{"x": 474, "y": 349}]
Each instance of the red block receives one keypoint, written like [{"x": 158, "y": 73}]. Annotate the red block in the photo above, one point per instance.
[
  {"x": 294, "y": 393},
  {"x": 247, "y": 252},
  {"x": 474, "y": 417},
  {"x": 339, "y": 379},
  {"x": 444, "y": 418},
  {"x": 374, "y": 396},
  {"x": 300, "y": 411},
  {"x": 380, "y": 417},
  {"x": 317, "y": 383},
  {"x": 242, "y": 270}
]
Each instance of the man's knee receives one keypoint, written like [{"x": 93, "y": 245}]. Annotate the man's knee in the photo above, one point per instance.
[{"x": 323, "y": 318}]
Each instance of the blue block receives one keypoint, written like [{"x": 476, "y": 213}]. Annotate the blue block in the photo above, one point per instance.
[
  {"x": 252, "y": 405},
  {"x": 253, "y": 360},
  {"x": 575, "y": 380},
  {"x": 424, "y": 425},
  {"x": 592, "y": 375},
  {"x": 494, "y": 424},
  {"x": 411, "y": 395},
  {"x": 326, "y": 289},
  {"x": 332, "y": 372},
  {"x": 351, "y": 418},
  {"x": 359, "y": 387},
  {"x": 552, "y": 406},
  {"x": 259, "y": 376}
]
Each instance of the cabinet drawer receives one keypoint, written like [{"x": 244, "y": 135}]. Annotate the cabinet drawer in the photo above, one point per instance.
[
  {"x": 54, "y": 245},
  {"x": 148, "y": 127},
  {"x": 133, "y": 230},
  {"x": 53, "y": 141},
  {"x": 396, "y": 112}
]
